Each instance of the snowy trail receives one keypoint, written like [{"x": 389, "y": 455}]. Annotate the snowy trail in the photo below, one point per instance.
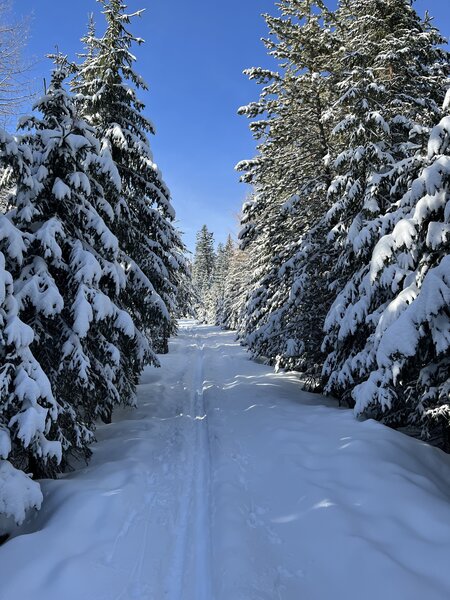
[
  {"x": 193, "y": 536},
  {"x": 228, "y": 482}
]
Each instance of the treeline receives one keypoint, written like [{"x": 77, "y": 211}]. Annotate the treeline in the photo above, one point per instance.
[
  {"x": 345, "y": 242},
  {"x": 210, "y": 272},
  {"x": 90, "y": 263},
  {"x": 220, "y": 279}
]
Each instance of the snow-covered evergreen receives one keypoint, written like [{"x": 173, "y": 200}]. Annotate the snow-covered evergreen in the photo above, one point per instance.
[
  {"x": 221, "y": 271},
  {"x": 70, "y": 280},
  {"x": 236, "y": 289},
  {"x": 402, "y": 299},
  {"x": 203, "y": 273},
  {"x": 392, "y": 83},
  {"x": 392, "y": 79},
  {"x": 289, "y": 176},
  {"x": 187, "y": 295},
  {"x": 29, "y": 411},
  {"x": 107, "y": 86},
  {"x": 342, "y": 137},
  {"x": 91, "y": 265}
]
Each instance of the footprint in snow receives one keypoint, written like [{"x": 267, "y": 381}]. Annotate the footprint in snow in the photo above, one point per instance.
[{"x": 254, "y": 521}]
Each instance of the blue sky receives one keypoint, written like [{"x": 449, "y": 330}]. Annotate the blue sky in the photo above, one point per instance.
[{"x": 193, "y": 60}]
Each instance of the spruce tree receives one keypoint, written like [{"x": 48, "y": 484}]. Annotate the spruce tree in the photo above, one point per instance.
[
  {"x": 289, "y": 177},
  {"x": 107, "y": 86},
  {"x": 29, "y": 412},
  {"x": 187, "y": 296},
  {"x": 215, "y": 296},
  {"x": 392, "y": 83},
  {"x": 70, "y": 281},
  {"x": 236, "y": 290},
  {"x": 203, "y": 273},
  {"x": 368, "y": 80},
  {"x": 402, "y": 370}
]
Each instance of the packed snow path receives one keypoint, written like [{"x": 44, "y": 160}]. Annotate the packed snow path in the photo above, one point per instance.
[{"x": 230, "y": 483}]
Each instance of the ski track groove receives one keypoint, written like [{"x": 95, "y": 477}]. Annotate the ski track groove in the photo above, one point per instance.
[
  {"x": 202, "y": 494},
  {"x": 193, "y": 535}
]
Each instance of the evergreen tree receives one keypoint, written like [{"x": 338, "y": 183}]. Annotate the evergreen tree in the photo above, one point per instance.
[
  {"x": 289, "y": 176},
  {"x": 187, "y": 296},
  {"x": 236, "y": 289},
  {"x": 29, "y": 412},
  {"x": 403, "y": 294},
  {"x": 223, "y": 263},
  {"x": 392, "y": 83},
  {"x": 348, "y": 79},
  {"x": 203, "y": 271},
  {"x": 70, "y": 280},
  {"x": 106, "y": 85}
]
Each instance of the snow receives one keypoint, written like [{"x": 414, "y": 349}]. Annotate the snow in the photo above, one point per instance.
[
  {"x": 80, "y": 180},
  {"x": 399, "y": 333},
  {"x": 5, "y": 443},
  {"x": 17, "y": 333},
  {"x": 82, "y": 311},
  {"x": 19, "y": 493},
  {"x": 446, "y": 104},
  {"x": 61, "y": 190},
  {"x": 229, "y": 482},
  {"x": 30, "y": 421},
  {"x": 12, "y": 238},
  {"x": 439, "y": 133}
]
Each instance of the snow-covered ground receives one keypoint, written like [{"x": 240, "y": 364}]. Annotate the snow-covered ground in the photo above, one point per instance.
[{"x": 230, "y": 483}]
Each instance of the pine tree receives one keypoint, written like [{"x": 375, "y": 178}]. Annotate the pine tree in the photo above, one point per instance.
[
  {"x": 70, "y": 281},
  {"x": 402, "y": 371},
  {"x": 216, "y": 296},
  {"x": 392, "y": 83},
  {"x": 236, "y": 289},
  {"x": 106, "y": 85},
  {"x": 203, "y": 272},
  {"x": 368, "y": 80},
  {"x": 187, "y": 296},
  {"x": 289, "y": 178},
  {"x": 29, "y": 412}
]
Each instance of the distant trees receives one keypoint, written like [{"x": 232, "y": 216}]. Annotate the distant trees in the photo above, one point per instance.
[
  {"x": 204, "y": 260},
  {"x": 237, "y": 282},
  {"x": 210, "y": 273},
  {"x": 224, "y": 258}
]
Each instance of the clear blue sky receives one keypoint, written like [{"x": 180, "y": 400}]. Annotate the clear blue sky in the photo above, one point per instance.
[{"x": 193, "y": 60}]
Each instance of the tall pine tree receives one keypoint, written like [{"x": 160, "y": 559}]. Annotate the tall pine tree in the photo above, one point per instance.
[
  {"x": 29, "y": 412},
  {"x": 107, "y": 86},
  {"x": 392, "y": 82},
  {"x": 72, "y": 275},
  {"x": 289, "y": 176}
]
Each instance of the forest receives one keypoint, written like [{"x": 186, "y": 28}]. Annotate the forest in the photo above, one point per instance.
[{"x": 337, "y": 278}]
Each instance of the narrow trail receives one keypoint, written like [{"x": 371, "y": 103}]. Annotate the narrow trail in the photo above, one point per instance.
[
  {"x": 229, "y": 482},
  {"x": 190, "y": 572},
  {"x": 201, "y": 498}
]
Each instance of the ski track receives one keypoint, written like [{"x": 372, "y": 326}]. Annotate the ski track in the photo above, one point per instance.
[
  {"x": 193, "y": 536},
  {"x": 202, "y": 491}
]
